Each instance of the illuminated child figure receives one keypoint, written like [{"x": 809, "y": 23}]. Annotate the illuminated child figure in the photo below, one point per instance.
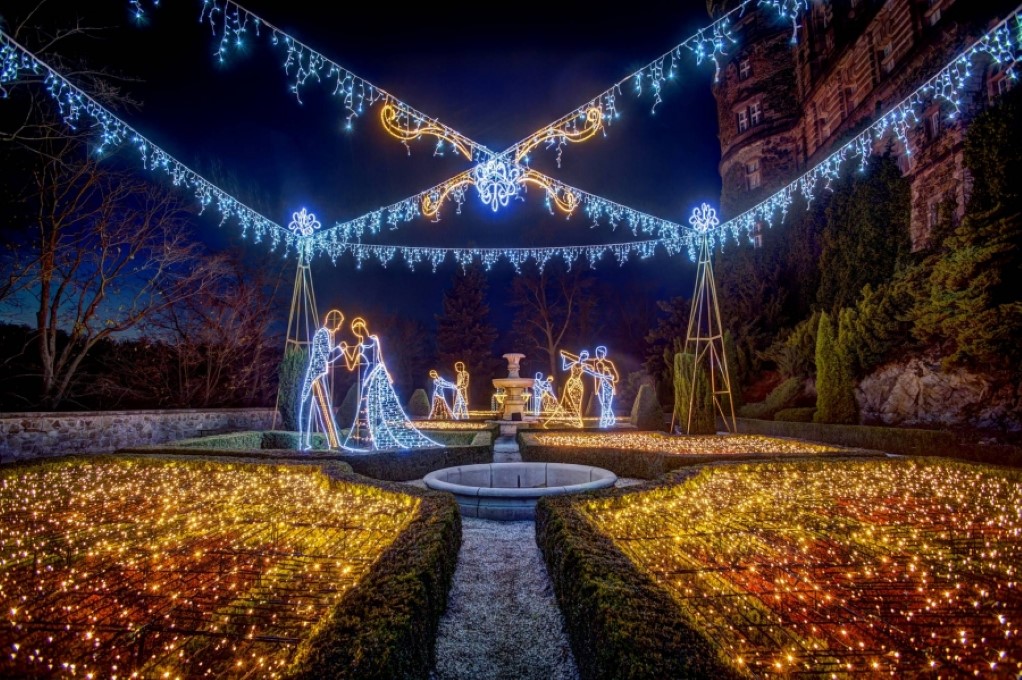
[
  {"x": 543, "y": 398},
  {"x": 461, "y": 396},
  {"x": 605, "y": 374},
  {"x": 314, "y": 405},
  {"x": 439, "y": 410},
  {"x": 380, "y": 422}
]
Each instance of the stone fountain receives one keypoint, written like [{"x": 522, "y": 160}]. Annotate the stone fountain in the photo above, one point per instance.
[{"x": 514, "y": 388}]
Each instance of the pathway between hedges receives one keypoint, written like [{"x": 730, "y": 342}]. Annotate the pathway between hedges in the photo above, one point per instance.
[{"x": 502, "y": 621}]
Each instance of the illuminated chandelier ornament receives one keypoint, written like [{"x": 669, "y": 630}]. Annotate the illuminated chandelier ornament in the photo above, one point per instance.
[
  {"x": 497, "y": 182},
  {"x": 304, "y": 223}
]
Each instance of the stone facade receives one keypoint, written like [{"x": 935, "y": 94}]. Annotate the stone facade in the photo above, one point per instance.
[
  {"x": 25, "y": 436},
  {"x": 783, "y": 108}
]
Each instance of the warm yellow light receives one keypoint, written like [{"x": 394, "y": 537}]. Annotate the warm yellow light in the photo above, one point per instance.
[
  {"x": 390, "y": 117},
  {"x": 563, "y": 132}
]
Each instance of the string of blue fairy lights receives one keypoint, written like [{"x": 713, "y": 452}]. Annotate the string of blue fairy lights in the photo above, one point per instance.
[{"x": 79, "y": 109}]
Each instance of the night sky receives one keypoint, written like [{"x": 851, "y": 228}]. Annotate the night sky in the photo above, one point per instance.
[{"x": 494, "y": 80}]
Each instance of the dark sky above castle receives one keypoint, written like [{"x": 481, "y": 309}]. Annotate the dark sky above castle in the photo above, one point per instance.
[{"x": 496, "y": 75}]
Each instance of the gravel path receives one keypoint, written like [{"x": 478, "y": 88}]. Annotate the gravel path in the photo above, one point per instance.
[{"x": 502, "y": 620}]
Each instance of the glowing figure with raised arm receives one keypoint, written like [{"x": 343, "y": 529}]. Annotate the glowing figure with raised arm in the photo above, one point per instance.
[
  {"x": 439, "y": 410},
  {"x": 543, "y": 398},
  {"x": 380, "y": 422},
  {"x": 461, "y": 396},
  {"x": 315, "y": 408},
  {"x": 605, "y": 374}
]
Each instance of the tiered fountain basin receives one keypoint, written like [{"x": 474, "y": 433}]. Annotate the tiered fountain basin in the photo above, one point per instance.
[{"x": 510, "y": 491}]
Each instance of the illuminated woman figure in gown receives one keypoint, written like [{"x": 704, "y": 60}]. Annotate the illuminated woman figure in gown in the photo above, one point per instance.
[
  {"x": 380, "y": 422},
  {"x": 569, "y": 409},
  {"x": 439, "y": 410}
]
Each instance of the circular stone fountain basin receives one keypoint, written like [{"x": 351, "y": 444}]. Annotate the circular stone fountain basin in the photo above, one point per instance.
[{"x": 509, "y": 491}]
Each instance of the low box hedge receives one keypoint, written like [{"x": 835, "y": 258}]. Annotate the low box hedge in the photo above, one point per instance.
[
  {"x": 620, "y": 623},
  {"x": 463, "y": 448},
  {"x": 650, "y": 464},
  {"x": 386, "y": 627},
  {"x": 796, "y": 415},
  {"x": 897, "y": 440}
]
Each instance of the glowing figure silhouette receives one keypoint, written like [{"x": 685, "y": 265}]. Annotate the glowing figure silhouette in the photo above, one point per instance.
[
  {"x": 543, "y": 398},
  {"x": 569, "y": 409},
  {"x": 497, "y": 400},
  {"x": 439, "y": 410},
  {"x": 606, "y": 376},
  {"x": 315, "y": 408},
  {"x": 460, "y": 410},
  {"x": 380, "y": 422}
]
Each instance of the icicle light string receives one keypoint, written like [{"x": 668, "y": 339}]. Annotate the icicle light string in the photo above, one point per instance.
[
  {"x": 77, "y": 108},
  {"x": 1001, "y": 45}
]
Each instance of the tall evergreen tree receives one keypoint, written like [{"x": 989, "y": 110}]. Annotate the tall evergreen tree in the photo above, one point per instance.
[
  {"x": 465, "y": 333},
  {"x": 704, "y": 418},
  {"x": 835, "y": 400}
]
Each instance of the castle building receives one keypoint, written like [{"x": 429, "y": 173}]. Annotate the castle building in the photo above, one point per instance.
[{"x": 784, "y": 106}]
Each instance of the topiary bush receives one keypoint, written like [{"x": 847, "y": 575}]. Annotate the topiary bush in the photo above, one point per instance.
[
  {"x": 835, "y": 401},
  {"x": 290, "y": 375},
  {"x": 702, "y": 420},
  {"x": 796, "y": 415},
  {"x": 646, "y": 411},
  {"x": 783, "y": 397},
  {"x": 733, "y": 371},
  {"x": 418, "y": 405}
]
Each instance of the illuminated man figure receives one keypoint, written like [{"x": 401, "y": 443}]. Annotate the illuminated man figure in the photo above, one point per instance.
[
  {"x": 461, "y": 395},
  {"x": 315, "y": 403},
  {"x": 543, "y": 398},
  {"x": 605, "y": 374},
  {"x": 439, "y": 410}
]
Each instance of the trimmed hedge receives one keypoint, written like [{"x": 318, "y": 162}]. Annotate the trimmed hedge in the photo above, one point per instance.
[
  {"x": 620, "y": 623},
  {"x": 386, "y": 627},
  {"x": 901, "y": 441},
  {"x": 796, "y": 415},
  {"x": 782, "y": 397},
  {"x": 464, "y": 448},
  {"x": 646, "y": 412},
  {"x": 653, "y": 464}
]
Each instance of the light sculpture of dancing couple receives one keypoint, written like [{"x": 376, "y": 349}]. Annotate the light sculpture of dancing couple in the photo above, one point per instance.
[
  {"x": 544, "y": 401},
  {"x": 380, "y": 422},
  {"x": 439, "y": 410},
  {"x": 605, "y": 377}
]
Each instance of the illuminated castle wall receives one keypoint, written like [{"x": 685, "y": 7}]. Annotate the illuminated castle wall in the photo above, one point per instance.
[{"x": 784, "y": 107}]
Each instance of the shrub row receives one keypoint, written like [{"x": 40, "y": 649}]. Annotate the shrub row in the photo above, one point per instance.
[
  {"x": 620, "y": 623},
  {"x": 645, "y": 464},
  {"x": 902, "y": 441},
  {"x": 386, "y": 627},
  {"x": 796, "y": 415},
  {"x": 383, "y": 465}
]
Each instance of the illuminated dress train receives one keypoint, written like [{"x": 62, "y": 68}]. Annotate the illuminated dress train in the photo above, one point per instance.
[{"x": 380, "y": 422}]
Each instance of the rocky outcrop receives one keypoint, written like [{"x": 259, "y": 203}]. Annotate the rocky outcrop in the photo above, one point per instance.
[{"x": 918, "y": 392}]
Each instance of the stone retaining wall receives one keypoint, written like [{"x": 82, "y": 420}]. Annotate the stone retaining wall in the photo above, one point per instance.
[{"x": 24, "y": 436}]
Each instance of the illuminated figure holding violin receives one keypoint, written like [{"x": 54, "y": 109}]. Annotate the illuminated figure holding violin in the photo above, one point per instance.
[
  {"x": 543, "y": 398},
  {"x": 315, "y": 408},
  {"x": 380, "y": 422},
  {"x": 569, "y": 409}
]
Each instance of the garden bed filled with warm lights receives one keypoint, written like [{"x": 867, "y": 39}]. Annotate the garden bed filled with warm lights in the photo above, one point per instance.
[
  {"x": 154, "y": 568},
  {"x": 895, "y": 568},
  {"x": 647, "y": 455}
]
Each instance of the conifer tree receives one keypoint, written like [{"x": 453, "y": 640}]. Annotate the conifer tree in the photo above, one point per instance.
[{"x": 465, "y": 333}]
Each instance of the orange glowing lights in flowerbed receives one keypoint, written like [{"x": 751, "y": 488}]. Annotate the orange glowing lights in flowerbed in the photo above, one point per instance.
[
  {"x": 829, "y": 569},
  {"x": 703, "y": 445},
  {"x": 121, "y": 569}
]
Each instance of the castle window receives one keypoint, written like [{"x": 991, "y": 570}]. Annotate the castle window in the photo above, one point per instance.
[
  {"x": 999, "y": 84},
  {"x": 933, "y": 213},
  {"x": 757, "y": 235},
  {"x": 887, "y": 58},
  {"x": 933, "y": 12},
  {"x": 743, "y": 120},
  {"x": 755, "y": 114},
  {"x": 744, "y": 69},
  {"x": 905, "y": 162},
  {"x": 752, "y": 176},
  {"x": 932, "y": 125}
]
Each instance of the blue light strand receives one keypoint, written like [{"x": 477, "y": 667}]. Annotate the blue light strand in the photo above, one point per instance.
[
  {"x": 1002, "y": 44},
  {"x": 78, "y": 109}
]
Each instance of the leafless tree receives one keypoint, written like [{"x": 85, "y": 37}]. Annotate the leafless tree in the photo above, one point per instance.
[
  {"x": 102, "y": 251},
  {"x": 549, "y": 308}
]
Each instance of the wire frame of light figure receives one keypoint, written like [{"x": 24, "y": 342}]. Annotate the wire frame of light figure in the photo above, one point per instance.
[
  {"x": 303, "y": 317},
  {"x": 704, "y": 339},
  {"x": 389, "y": 426}
]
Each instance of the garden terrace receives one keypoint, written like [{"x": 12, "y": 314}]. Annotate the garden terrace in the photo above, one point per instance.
[
  {"x": 829, "y": 569},
  {"x": 458, "y": 448},
  {"x": 113, "y": 567},
  {"x": 647, "y": 455}
]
